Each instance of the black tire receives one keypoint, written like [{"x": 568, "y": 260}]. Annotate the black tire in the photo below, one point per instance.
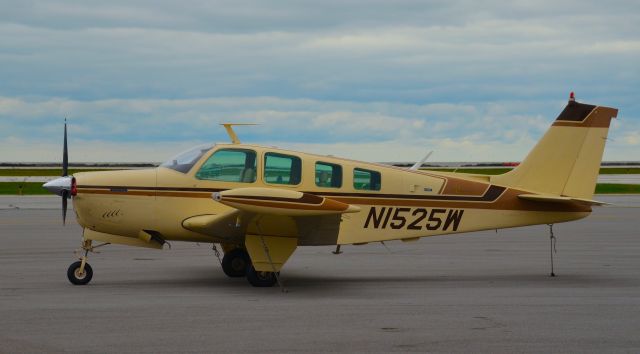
[
  {"x": 260, "y": 279},
  {"x": 234, "y": 263},
  {"x": 73, "y": 273}
]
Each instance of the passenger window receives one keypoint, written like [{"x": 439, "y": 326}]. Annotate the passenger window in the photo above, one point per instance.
[
  {"x": 328, "y": 175},
  {"x": 366, "y": 179},
  {"x": 230, "y": 165},
  {"x": 282, "y": 169}
]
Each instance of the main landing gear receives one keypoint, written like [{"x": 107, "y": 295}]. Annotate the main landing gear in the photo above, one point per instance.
[
  {"x": 236, "y": 263},
  {"x": 261, "y": 279},
  {"x": 80, "y": 272}
]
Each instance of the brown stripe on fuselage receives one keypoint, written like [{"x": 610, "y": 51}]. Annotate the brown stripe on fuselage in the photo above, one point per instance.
[
  {"x": 507, "y": 201},
  {"x": 491, "y": 194},
  {"x": 115, "y": 192},
  {"x": 147, "y": 193},
  {"x": 179, "y": 189},
  {"x": 495, "y": 197}
]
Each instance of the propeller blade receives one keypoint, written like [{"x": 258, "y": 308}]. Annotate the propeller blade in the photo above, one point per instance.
[
  {"x": 65, "y": 195},
  {"x": 65, "y": 152}
]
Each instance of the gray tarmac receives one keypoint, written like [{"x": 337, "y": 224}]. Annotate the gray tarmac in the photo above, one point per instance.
[
  {"x": 478, "y": 292},
  {"x": 623, "y": 179}
]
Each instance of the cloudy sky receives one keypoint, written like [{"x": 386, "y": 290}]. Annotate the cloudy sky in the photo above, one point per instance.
[{"x": 372, "y": 80}]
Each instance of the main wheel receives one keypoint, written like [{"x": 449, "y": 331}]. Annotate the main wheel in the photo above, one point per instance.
[
  {"x": 79, "y": 278},
  {"x": 260, "y": 279},
  {"x": 234, "y": 263}
]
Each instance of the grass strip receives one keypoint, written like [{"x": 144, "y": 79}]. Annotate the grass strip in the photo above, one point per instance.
[
  {"x": 11, "y": 172},
  {"x": 499, "y": 170},
  {"x": 606, "y": 188},
  {"x": 22, "y": 188},
  {"x": 620, "y": 171}
]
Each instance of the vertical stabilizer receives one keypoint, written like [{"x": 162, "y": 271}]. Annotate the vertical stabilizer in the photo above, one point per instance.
[{"x": 566, "y": 161}]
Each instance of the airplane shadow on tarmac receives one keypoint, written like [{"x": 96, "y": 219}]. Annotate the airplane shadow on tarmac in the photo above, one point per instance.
[{"x": 300, "y": 282}]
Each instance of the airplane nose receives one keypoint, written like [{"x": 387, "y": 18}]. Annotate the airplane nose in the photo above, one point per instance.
[{"x": 57, "y": 185}]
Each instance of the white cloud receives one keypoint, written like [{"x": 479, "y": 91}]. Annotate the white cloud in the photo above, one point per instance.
[
  {"x": 471, "y": 78},
  {"x": 152, "y": 130}
]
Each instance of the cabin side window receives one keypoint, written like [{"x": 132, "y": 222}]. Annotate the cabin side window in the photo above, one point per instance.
[
  {"x": 366, "y": 179},
  {"x": 230, "y": 165},
  {"x": 328, "y": 175},
  {"x": 282, "y": 169}
]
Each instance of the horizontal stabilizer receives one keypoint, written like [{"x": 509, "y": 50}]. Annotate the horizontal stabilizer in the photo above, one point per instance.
[{"x": 558, "y": 199}]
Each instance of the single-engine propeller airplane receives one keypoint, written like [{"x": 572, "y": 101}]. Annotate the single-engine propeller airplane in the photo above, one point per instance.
[{"x": 261, "y": 203}]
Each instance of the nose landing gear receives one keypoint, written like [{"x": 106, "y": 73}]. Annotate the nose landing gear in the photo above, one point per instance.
[{"x": 80, "y": 272}]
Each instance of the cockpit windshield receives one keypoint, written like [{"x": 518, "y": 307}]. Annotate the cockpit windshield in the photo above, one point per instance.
[{"x": 184, "y": 161}]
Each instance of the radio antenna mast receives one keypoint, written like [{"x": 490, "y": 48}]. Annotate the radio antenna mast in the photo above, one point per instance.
[{"x": 232, "y": 134}]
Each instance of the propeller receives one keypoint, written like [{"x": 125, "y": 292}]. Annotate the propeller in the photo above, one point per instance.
[
  {"x": 65, "y": 172},
  {"x": 65, "y": 152},
  {"x": 62, "y": 186}
]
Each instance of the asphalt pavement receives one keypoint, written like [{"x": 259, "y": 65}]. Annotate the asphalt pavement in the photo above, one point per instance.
[{"x": 478, "y": 292}]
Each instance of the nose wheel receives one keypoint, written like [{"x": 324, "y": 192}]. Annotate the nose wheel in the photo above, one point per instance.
[{"x": 79, "y": 274}]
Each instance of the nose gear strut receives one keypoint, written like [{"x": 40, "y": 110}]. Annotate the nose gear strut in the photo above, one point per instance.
[{"x": 80, "y": 272}]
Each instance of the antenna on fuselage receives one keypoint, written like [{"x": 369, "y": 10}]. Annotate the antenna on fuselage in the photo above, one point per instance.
[
  {"x": 232, "y": 134},
  {"x": 418, "y": 164}
]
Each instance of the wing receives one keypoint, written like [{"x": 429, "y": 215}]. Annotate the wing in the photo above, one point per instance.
[
  {"x": 272, "y": 220},
  {"x": 274, "y": 201},
  {"x": 315, "y": 216}
]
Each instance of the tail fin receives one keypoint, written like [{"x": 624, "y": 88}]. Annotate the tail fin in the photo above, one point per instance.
[{"x": 566, "y": 161}]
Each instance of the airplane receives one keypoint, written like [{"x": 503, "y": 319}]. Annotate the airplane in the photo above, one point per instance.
[{"x": 260, "y": 203}]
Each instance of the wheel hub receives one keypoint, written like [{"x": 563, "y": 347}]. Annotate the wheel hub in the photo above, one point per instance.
[
  {"x": 238, "y": 264},
  {"x": 264, "y": 275},
  {"x": 79, "y": 274}
]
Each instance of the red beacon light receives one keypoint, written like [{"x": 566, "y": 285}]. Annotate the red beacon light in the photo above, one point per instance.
[{"x": 572, "y": 97}]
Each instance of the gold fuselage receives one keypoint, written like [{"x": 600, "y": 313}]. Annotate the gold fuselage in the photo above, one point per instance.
[{"x": 409, "y": 204}]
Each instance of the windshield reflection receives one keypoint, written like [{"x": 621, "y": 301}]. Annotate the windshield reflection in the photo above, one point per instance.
[{"x": 183, "y": 162}]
